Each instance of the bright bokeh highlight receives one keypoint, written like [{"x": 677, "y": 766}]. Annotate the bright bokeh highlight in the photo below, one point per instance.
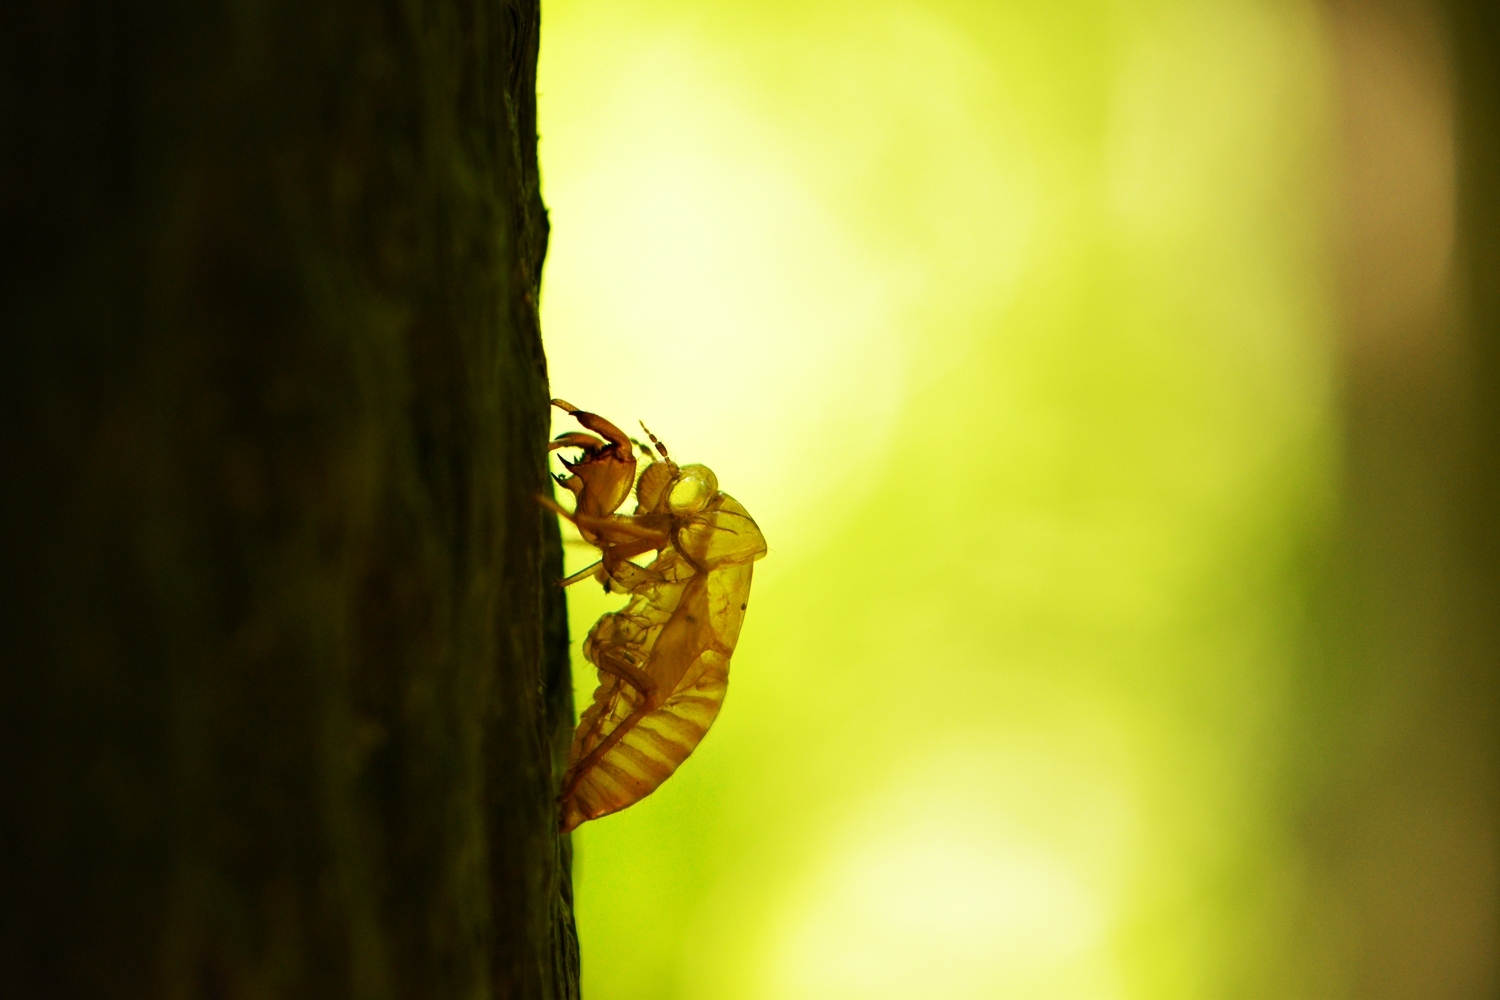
[{"x": 1009, "y": 324}]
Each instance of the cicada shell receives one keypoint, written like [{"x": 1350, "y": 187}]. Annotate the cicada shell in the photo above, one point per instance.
[{"x": 663, "y": 659}]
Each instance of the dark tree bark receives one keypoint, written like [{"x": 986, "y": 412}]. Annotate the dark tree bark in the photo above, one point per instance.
[{"x": 285, "y": 682}]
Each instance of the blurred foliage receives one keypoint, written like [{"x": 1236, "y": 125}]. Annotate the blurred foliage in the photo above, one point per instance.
[{"x": 1015, "y": 326}]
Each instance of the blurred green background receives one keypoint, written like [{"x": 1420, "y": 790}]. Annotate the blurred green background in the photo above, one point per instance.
[{"x": 1025, "y": 332}]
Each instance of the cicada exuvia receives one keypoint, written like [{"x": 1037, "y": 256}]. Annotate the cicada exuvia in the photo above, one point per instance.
[{"x": 663, "y": 658}]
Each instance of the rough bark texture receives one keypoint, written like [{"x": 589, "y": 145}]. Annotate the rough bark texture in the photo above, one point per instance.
[{"x": 285, "y": 688}]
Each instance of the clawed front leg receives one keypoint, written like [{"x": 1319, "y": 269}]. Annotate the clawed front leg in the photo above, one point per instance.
[
  {"x": 603, "y": 478},
  {"x": 617, "y": 438}
]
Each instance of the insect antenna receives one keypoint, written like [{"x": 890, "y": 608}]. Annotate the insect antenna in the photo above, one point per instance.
[
  {"x": 654, "y": 440},
  {"x": 644, "y": 447}
]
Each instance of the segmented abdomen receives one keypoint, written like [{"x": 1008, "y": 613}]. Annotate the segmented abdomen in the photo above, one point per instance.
[
  {"x": 650, "y": 751},
  {"x": 681, "y": 634}
]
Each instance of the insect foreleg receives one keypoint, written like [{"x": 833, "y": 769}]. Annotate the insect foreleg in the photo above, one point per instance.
[
  {"x": 577, "y": 439},
  {"x": 596, "y": 423}
]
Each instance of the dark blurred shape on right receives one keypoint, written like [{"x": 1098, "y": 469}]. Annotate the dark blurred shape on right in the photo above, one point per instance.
[{"x": 1398, "y": 794}]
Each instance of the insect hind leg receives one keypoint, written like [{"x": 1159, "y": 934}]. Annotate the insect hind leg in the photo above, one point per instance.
[
  {"x": 591, "y": 570},
  {"x": 611, "y": 663}
]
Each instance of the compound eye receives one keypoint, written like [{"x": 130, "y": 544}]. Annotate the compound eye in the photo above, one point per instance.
[{"x": 692, "y": 489}]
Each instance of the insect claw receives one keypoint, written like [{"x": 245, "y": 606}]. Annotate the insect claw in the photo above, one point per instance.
[{"x": 577, "y": 439}]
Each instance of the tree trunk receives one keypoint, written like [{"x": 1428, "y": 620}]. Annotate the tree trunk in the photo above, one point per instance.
[{"x": 286, "y": 689}]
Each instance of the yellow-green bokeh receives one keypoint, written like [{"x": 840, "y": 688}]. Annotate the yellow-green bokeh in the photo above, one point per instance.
[{"x": 1010, "y": 324}]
